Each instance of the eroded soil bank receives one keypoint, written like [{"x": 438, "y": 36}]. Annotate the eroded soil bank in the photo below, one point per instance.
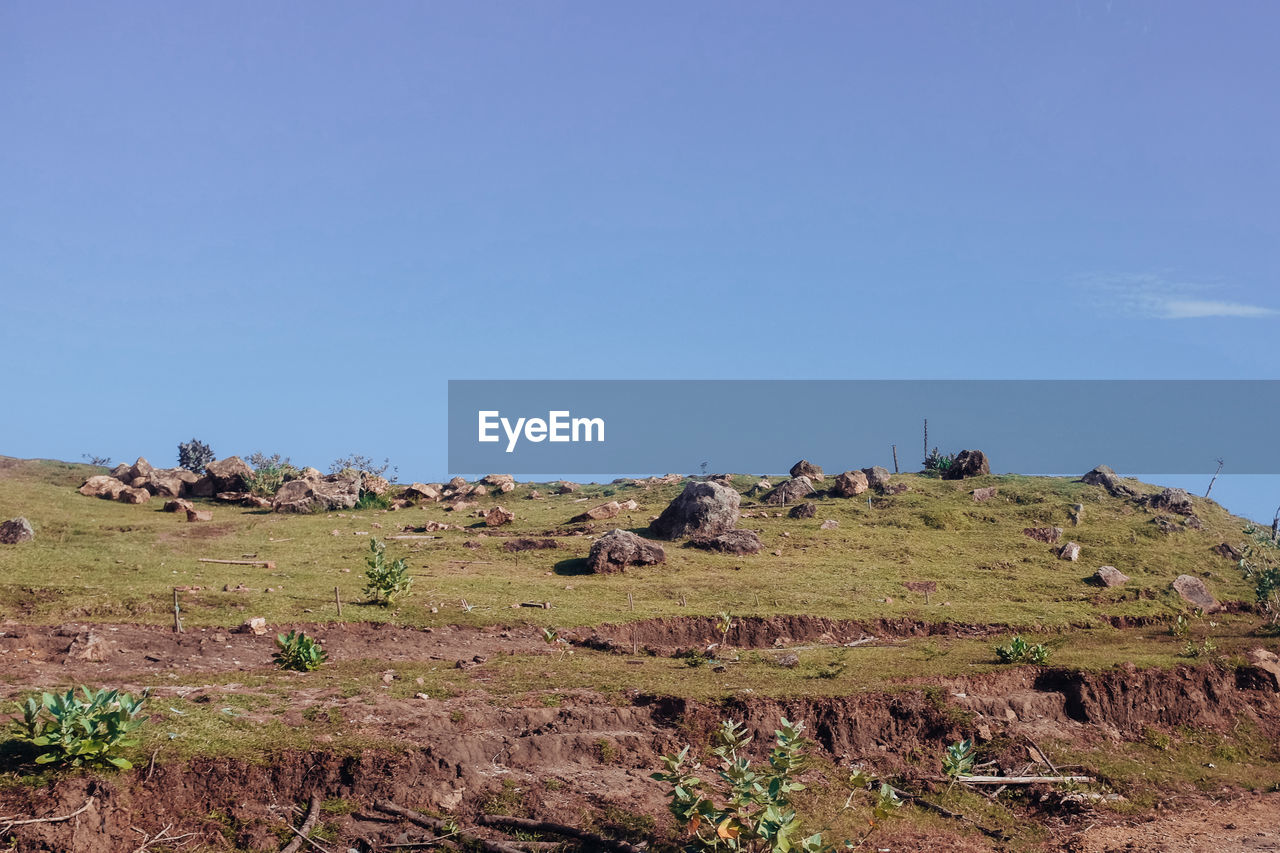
[{"x": 587, "y": 761}]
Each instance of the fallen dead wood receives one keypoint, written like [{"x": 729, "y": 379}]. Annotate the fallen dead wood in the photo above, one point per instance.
[
  {"x": 947, "y": 813},
  {"x": 308, "y": 824},
  {"x": 408, "y": 536},
  {"x": 11, "y": 822},
  {"x": 439, "y": 827},
  {"x": 557, "y": 829},
  {"x": 1021, "y": 780},
  {"x": 161, "y": 837},
  {"x": 262, "y": 564}
]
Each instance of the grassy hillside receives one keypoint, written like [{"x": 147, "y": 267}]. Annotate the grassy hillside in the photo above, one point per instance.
[{"x": 100, "y": 560}]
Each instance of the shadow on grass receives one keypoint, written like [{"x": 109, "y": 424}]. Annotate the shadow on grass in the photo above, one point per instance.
[
  {"x": 573, "y": 566},
  {"x": 17, "y": 755}
]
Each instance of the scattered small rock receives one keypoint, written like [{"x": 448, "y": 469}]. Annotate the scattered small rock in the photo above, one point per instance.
[
  {"x": 877, "y": 477},
  {"x": 1110, "y": 576},
  {"x": 618, "y": 549},
  {"x": 804, "y": 510},
  {"x": 498, "y": 516},
  {"x": 740, "y": 542},
  {"x": 1195, "y": 593},
  {"x": 984, "y": 494},
  {"x": 1048, "y": 535},
  {"x": 598, "y": 513},
  {"x": 805, "y": 468},
  {"x": 1069, "y": 551},
  {"x": 15, "y": 531},
  {"x": 850, "y": 484},
  {"x": 1105, "y": 477},
  {"x": 199, "y": 515},
  {"x": 789, "y": 491},
  {"x": 968, "y": 463},
  {"x": 1228, "y": 551},
  {"x": 256, "y": 626},
  {"x": 829, "y": 524}
]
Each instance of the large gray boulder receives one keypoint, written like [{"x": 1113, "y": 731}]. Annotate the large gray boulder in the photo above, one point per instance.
[
  {"x": 167, "y": 483},
  {"x": 789, "y": 491},
  {"x": 1194, "y": 592},
  {"x": 877, "y": 477},
  {"x": 140, "y": 469},
  {"x": 16, "y": 530},
  {"x": 1170, "y": 500},
  {"x": 1105, "y": 477},
  {"x": 740, "y": 542},
  {"x": 850, "y": 484},
  {"x": 1110, "y": 576},
  {"x": 968, "y": 463},
  {"x": 805, "y": 468},
  {"x": 229, "y": 475},
  {"x": 618, "y": 549},
  {"x": 102, "y": 486},
  {"x": 702, "y": 509},
  {"x": 598, "y": 513},
  {"x": 336, "y": 491}
]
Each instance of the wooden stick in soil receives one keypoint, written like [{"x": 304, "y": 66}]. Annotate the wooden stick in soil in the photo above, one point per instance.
[
  {"x": 557, "y": 829},
  {"x": 262, "y": 564},
  {"x": 947, "y": 813},
  {"x": 438, "y": 826},
  {"x": 308, "y": 824},
  {"x": 177, "y": 620},
  {"x": 10, "y": 823},
  {"x": 337, "y": 599},
  {"x": 1021, "y": 780}
]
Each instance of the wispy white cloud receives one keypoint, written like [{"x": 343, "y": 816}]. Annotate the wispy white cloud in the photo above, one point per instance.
[
  {"x": 1158, "y": 297},
  {"x": 1185, "y": 309}
]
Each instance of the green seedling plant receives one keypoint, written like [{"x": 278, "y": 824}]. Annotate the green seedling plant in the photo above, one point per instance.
[
  {"x": 887, "y": 801},
  {"x": 1019, "y": 650},
  {"x": 299, "y": 652},
  {"x": 552, "y": 638},
  {"x": 77, "y": 732},
  {"x": 745, "y": 807},
  {"x": 386, "y": 580},
  {"x": 958, "y": 761}
]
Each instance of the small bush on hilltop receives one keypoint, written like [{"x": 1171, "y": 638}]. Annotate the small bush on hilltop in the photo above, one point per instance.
[
  {"x": 194, "y": 455},
  {"x": 269, "y": 474},
  {"x": 387, "y": 581},
  {"x": 365, "y": 465},
  {"x": 88, "y": 731},
  {"x": 939, "y": 463}
]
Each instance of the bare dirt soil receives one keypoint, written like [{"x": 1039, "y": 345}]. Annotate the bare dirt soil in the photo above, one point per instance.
[{"x": 590, "y": 754}]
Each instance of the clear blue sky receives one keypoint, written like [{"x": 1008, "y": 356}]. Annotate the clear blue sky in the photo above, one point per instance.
[{"x": 283, "y": 227}]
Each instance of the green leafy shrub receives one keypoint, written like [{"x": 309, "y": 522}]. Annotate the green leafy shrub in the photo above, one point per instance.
[
  {"x": 387, "y": 580},
  {"x": 939, "y": 463},
  {"x": 88, "y": 731},
  {"x": 746, "y": 807},
  {"x": 266, "y": 481},
  {"x": 299, "y": 652},
  {"x": 1019, "y": 650},
  {"x": 958, "y": 760},
  {"x": 194, "y": 455},
  {"x": 368, "y": 500}
]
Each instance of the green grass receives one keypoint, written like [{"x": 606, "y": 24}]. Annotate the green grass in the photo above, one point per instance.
[{"x": 101, "y": 560}]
